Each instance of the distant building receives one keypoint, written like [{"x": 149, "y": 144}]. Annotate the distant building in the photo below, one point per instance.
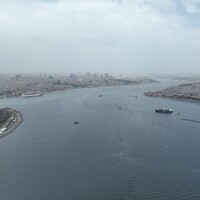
[
  {"x": 18, "y": 76},
  {"x": 73, "y": 76},
  {"x": 88, "y": 74},
  {"x": 106, "y": 75}
]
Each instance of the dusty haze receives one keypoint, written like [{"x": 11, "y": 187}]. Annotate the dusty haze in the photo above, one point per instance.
[{"x": 114, "y": 36}]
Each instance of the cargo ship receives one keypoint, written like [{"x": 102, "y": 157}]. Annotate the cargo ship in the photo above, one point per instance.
[
  {"x": 164, "y": 110},
  {"x": 31, "y": 94}
]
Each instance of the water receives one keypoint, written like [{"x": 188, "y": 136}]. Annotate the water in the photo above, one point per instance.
[{"x": 112, "y": 154}]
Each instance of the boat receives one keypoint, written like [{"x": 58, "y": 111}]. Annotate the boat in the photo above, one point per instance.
[
  {"x": 164, "y": 110},
  {"x": 101, "y": 95},
  {"x": 76, "y": 122},
  {"x": 31, "y": 94}
]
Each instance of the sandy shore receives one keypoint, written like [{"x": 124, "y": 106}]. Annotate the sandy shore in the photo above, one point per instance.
[{"x": 18, "y": 120}]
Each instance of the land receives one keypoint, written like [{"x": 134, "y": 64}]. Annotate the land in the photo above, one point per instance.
[
  {"x": 188, "y": 91},
  {"x": 192, "y": 79},
  {"x": 10, "y": 119},
  {"x": 13, "y": 86}
]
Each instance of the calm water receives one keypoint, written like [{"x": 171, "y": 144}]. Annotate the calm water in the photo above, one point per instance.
[{"x": 112, "y": 154}]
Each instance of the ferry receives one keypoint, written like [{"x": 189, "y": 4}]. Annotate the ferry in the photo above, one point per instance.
[
  {"x": 164, "y": 110},
  {"x": 31, "y": 94}
]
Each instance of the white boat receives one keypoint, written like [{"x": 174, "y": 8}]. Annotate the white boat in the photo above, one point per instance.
[
  {"x": 164, "y": 110},
  {"x": 31, "y": 94}
]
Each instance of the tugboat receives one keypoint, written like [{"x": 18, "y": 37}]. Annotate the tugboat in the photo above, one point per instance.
[{"x": 164, "y": 110}]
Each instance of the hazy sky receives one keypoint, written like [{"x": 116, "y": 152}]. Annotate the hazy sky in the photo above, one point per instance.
[{"x": 115, "y": 36}]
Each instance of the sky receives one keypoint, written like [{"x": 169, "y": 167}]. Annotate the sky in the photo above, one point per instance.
[{"x": 114, "y": 36}]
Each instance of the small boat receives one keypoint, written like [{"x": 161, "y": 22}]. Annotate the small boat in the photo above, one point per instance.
[
  {"x": 76, "y": 122},
  {"x": 101, "y": 95},
  {"x": 164, "y": 110}
]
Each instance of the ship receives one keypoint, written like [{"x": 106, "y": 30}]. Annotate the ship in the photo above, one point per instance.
[
  {"x": 164, "y": 110},
  {"x": 31, "y": 94}
]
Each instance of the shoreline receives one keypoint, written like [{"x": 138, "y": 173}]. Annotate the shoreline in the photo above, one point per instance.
[
  {"x": 70, "y": 89},
  {"x": 10, "y": 129},
  {"x": 175, "y": 99},
  {"x": 189, "y": 92},
  {"x": 62, "y": 86}
]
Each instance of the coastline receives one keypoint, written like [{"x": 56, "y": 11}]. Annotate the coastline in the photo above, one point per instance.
[
  {"x": 18, "y": 88},
  {"x": 10, "y": 129},
  {"x": 175, "y": 99},
  {"x": 185, "y": 92}
]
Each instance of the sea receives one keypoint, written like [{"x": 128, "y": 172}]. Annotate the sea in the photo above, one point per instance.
[{"x": 120, "y": 150}]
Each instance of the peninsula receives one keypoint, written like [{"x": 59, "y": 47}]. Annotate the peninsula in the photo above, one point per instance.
[
  {"x": 10, "y": 119},
  {"x": 187, "y": 91}
]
